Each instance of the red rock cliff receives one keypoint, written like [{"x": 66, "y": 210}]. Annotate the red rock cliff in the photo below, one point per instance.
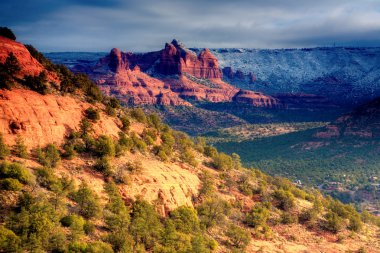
[
  {"x": 29, "y": 65},
  {"x": 176, "y": 59}
]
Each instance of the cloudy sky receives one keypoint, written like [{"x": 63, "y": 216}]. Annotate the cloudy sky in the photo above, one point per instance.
[{"x": 142, "y": 25}]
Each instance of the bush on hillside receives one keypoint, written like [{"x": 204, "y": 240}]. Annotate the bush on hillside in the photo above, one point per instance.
[
  {"x": 125, "y": 123},
  {"x": 185, "y": 219},
  {"x": 222, "y": 162},
  {"x": 213, "y": 211},
  {"x": 15, "y": 171},
  {"x": 237, "y": 237},
  {"x": 12, "y": 65},
  {"x": 104, "y": 146},
  {"x": 10, "y": 184},
  {"x": 37, "y": 83},
  {"x": 284, "y": 200},
  {"x": 9, "y": 241},
  {"x": 20, "y": 148},
  {"x": 103, "y": 165},
  {"x": 139, "y": 115},
  {"x": 7, "y": 33},
  {"x": 49, "y": 156},
  {"x": 88, "y": 202},
  {"x": 4, "y": 149},
  {"x": 92, "y": 114},
  {"x": 333, "y": 222}
]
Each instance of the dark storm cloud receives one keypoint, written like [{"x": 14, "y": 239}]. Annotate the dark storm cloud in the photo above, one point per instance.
[{"x": 93, "y": 25}]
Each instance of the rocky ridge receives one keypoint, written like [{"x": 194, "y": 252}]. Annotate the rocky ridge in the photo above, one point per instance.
[{"x": 168, "y": 76}]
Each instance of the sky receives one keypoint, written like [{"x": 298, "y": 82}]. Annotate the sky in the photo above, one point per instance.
[{"x": 145, "y": 25}]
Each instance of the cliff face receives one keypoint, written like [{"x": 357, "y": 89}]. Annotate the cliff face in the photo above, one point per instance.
[
  {"x": 43, "y": 119},
  {"x": 177, "y": 73},
  {"x": 115, "y": 77},
  {"x": 255, "y": 98},
  {"x": 176, "y": 60}
]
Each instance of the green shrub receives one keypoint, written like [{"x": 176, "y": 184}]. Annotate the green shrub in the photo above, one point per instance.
[
  {"x": 110, "y": 111},
  {"x": 145, "y": 226},
  {"x": 67, "y": 220},
  {"x": 114, "y": 102},
  {"x": 69, "y": 151},
  {"x": 44, "y": 61},
  {"x": 200, "y": 243},
  {"x": 10, "y": 184},
  {"x": 284, "y": 199},
  {"x": 188, "y": 156},
  {"x": 4, "y": 149},
  {"x": 19, "y": 148},
  {"x": 104, "y": 146},
  {"x": 99, "y": 247},
  {"x": 213, "y": 211},
  {"x": 222, "y": 162},
  {"x": 333, "y": 222},
  {"x": 238, "y": 237},
  {"x": 92, "y": 114},
  {"x": 12, "y": 65},
  {"x": 88, "y": 202},
  {"x": 36, "y": 223},
  {"x": 309, "y": 216},
  {"x": 125, "y": 123},
  {"x": 258, "y": 216},
  {"x": 200, "y": 144},
  {"x": 91, "y": 90},
  {"x": 134, "y": 167},
  {"x": 185, "y": 220},
  {"x": 49, "y": 156},
  {"x": 154, "y": 121},
  {"x": 85, "y": 127},
  {"x": 46, "y": 178},
  {"x": 355, "y": 224},
  {"x": 151, "y": 133},
  {"x": 77, "y": 247},
  {"x": 210, "y": 151},
  {"x": 139, "y": 115},
  {"x": 7, "y": 33},
  {"x": 89, "y": 227},
  {"x": 9, "y": 241},
  {"x": 207, "y": 184},
  {"x": 288, "y": 218},
  {"x": 103, "y": 165},
  {"x": 125, "y": 142},
  {"x": 37, "y": 83},
  {"x": 15, "y": 171},
  {"x": 138, "y": 144},
  {"x": 6, "y": 80},
  {"x": 244, "y": 185}
]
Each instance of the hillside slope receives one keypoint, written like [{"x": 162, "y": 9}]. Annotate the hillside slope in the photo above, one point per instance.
[{"x": 143, "y": 187}]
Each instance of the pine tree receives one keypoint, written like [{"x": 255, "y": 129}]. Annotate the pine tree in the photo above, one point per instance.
[
  {"x": 12, "y": 65},
  {"x": 20, "y": 148},
  {"x": 4, "y": 149}
]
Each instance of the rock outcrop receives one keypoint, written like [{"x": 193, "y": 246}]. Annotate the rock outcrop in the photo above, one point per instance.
[
  {"x": 28, "y": 64},
  {"x": 238, "y": 75},
  {"x": 169, "y": 76},
  {"x": 257, "y": 99},
  {"x": 115, "y": 76},
  {"x": 175, "y": 59},
  {"x": 43, "y": 119}
]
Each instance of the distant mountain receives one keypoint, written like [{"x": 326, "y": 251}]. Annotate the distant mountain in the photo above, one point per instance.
[{"x": 346, "y": 75}]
